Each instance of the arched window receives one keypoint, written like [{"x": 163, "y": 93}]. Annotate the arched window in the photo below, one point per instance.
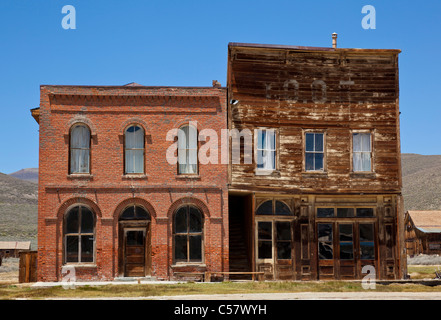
[
  {"x": 188, "y": 234},
  {"x": 79, "y": 149},
  {"x": 134, "y": 149},
  {"x": 277, "y": 207},
  {"x": 79, "y": 231},
  {"x": 188, "y": 150},
  {"x": 135, "y": 212}
]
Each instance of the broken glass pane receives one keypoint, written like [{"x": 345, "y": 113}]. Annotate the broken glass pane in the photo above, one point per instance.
[{"x": 325, "y": 250}]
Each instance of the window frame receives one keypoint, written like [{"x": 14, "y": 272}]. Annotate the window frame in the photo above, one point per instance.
[
  {"x": 79, "y": 234},
  {"x": 304, "y": 152},
  {"x": 187, "y": 150},
  {"x": 188, "y": 234},
  {"x": 371, "y": 134},
  {"x": 266, "y": 171},
  {"x": 125, "y": 149},
  {"x": 71, "y": 148}
]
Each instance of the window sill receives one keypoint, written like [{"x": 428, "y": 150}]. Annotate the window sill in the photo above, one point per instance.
[
  {"x": 131, "y": 176},
  {"x": 188, "y": 176},
  {"x": 188, "y": 264},
  {"x": 314, "y": 174},
  {"x": 80, "y": 176},
  {"x": 79, "y": 265},
  {"x": 363, "y": 175}
]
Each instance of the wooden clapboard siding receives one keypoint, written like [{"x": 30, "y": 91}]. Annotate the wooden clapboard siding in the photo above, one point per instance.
[{"x": 361, "y": 93}]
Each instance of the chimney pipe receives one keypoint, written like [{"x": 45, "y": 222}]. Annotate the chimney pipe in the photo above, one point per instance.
[{"x": 334, "y": 40}]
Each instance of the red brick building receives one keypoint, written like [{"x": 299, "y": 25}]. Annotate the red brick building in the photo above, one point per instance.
[{"x": 110, "y": 203}]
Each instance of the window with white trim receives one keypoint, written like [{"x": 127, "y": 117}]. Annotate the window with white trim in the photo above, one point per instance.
[
  {"x": 362, "y": 152},
  {"x": 266, "y": 149}
]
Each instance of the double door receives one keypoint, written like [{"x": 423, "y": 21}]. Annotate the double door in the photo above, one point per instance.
[{"x": 344, "y": 248}]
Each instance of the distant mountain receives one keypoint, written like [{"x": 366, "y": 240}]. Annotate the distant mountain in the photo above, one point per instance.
[
  {"x": 29, "y": 174},
  {"x": 421, "y": 181}
]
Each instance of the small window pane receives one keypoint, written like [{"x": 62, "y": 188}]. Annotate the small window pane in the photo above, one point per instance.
[
  {"x": 366, "y": 142},
  {"x": 366, "y": 232},
  {"x": 325, "y": 250},
  {"x": 282, "y": 208},
  {"x": 284, "y": 250},
  {"x": 72, "y": 248},
  {"x": 346, "y": 251},
  {"x": 283, "y": 230},
  {"x": 181, "y": 220},
  {"x": 195, "y": 248},
  {"x": 345, "y": 231},
  {"x": 135, "y": 238},
  {"x": 128, "y": 213},
  {"x": 265, "y": 231},
  {"x": 72, "y": 220},
  {"x": 324, "y": 232},
  {"x": 265, "y": 208},
  {"x": 318, "y": 161},
  {"x": 318, "y": 142},
  {"x": 356, "y": 141},
  {"x": 365, "y": 212},
  {"x": 310, "y": 142},
  {"x": 195, "y": 220},
  {"x": 309, "y": 165},
  {"x": 87, "y": 248},
  {"x": 180, "y": 247},
  {"x": 265, "y": 250},
  {"x": 261, "y": 139},
  {"x": 86, "y": 220},
  {"x": 345, "y": 212},
  {"x": 367, "y": 250},
  {"x": 325, "y": 212}
]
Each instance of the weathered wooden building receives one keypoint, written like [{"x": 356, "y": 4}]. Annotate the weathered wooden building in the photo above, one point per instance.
[
  {"x": 323, "y": 197},
  {"x": 11, "y": 249},
  {"x": 422, "y": 232}
]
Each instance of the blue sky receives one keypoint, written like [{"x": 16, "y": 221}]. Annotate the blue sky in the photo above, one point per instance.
[{"x": 184, "y": 43}]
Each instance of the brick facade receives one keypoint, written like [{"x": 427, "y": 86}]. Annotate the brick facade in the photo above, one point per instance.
[{"x": 107, "y": 190}]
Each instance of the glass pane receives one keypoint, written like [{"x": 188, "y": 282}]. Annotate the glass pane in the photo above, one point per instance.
[
  {"x": 345, "y": 231},
  {"x": 138, "y": 161},
  {"x": 86, "y": 220},
  {"x": 366, "y": 142},
  {"x": 346, "y": 251},
  {"x": 72, "y": 249},
  {"x": 265, "y": 231},
  {"x": 181, "y": 248},
  {"x": 318, "y": 142},
  {"x": 325, "y": 212},
  {"x": 366, "y": 232},
  {"x": 318, "y": 161},
  {"x": 261, "y": 139},
  {"x": 345, "y": 212},
  {"x": 80, "y": 137},
  {"x": 141, "y": 213},
  {"x": 282, "y": 208},
  {"x": 325, "y": 250},
  {"x": 271, "y": 139},
  {"x": 87, "y": 248},
  {"x": 357, "y": 163},
  {"x": 265, "y": 208},
  {"x": 356, "y": 141},
  {"x": 284, "y": 250},
  {"x": 135, "y": 238},
  {"x": 260, "y": 164},
  {"x": 271, "y": 160},
  {"x": 195, "y": 220},
  {"x": 72, "y": 220},
  {"x": 128, "y": 213},
  {"x": 265, "y": 250},
  {"x": 283, "y": 230},
  {"x": 309, "y": 161},
  {"x": 181, "y": 220},
  {"x": 324, "y": 232},
  {"x": 309, "y": 142},
  {"x": 192, "y": 137},
  {"x": 130, "y": 163},
  {"x": 367, "y": 250},
  {"x": 365, "y": 212},
  {"x": 195, "y": 248},
  {"x": 366, "y": 161}
]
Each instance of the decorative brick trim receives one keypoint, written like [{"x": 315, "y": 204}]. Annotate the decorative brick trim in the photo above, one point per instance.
[
  {"x": 131, "y": 201},
  {"x": 185, "y": 201}
]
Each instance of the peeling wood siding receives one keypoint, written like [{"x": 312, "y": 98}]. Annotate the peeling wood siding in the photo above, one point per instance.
[{"x": 337, "y": 91}]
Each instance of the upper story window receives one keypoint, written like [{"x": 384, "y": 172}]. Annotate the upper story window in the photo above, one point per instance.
[
  {"x": 314, "y": 151},
  {"x": 79, "y": 149},
  {"x": 79, "y": 230},
  {"x": 134, "y": 149},
  {"x": 187, "y": 150},
  {"x": 266, "y": 149},
  {"x": 362, "y": 151}
]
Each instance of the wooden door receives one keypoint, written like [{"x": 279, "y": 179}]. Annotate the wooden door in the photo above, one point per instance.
[{"x": 134, "y": 252}]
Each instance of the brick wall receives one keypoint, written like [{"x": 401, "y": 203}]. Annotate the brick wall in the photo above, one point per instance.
[{"x": 107, "y": 190}]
